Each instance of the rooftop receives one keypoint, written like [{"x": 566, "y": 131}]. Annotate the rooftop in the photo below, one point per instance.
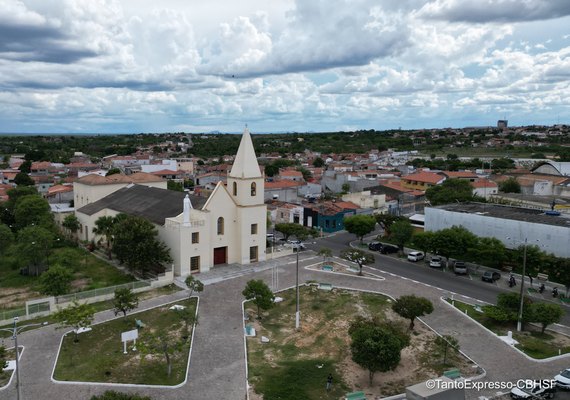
[
  {"x": 530, "y": 215},
  {"x": 424, "y": 176}
]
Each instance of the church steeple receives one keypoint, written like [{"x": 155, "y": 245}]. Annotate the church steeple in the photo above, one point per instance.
[{"x": 245, "y": 164}]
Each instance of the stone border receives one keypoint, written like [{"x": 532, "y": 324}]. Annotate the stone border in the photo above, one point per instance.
[
  {"x": 132, "y": 385},
  {"x": 6, "y": 386},
  {"x": 372, "y": 277},
  {"x": 549, "y": 359},
  {"x": 395, "y": 397}
]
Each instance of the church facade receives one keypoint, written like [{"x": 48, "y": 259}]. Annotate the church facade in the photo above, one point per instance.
[{"x": 229, "y": 226}]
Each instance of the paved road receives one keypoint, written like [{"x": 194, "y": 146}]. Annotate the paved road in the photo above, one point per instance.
[
  {"x": 474, "y": 288},
  {"x": 217, "y": 368}
]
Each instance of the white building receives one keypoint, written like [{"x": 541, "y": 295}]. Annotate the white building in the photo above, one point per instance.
[
  {"x": 510, "y": 225},
  {"x": 229, "y": 226}
]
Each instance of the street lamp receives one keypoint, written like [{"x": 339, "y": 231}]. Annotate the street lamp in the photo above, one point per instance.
[
  {"x": 521, "y": 304},
  {"x": 297, "y": 312},
  {"x": 14, "y": 331}
]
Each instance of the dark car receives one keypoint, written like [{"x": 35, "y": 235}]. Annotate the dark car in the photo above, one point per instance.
[
  {"x": 490, "y": 276},
  {"x": 376, "y": 246},
  {"x": 389, "y": 249}
]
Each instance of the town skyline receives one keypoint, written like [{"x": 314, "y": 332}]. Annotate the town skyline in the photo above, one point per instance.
[{"x": 130, "y": 66}]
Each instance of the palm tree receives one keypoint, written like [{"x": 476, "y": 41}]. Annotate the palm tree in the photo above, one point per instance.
[
  {"x": 104, "y": 227},
  {"x": 71, "y": 223}
]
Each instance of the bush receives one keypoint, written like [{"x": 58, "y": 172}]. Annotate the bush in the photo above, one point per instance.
[{"x": 56, "y": 281}]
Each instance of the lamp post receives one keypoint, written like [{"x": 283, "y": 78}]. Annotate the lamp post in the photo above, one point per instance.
[
  {"x": 297, "y": 312},
  {"x": 519, "y": 322},
  {"x": 14, "y": 331}
]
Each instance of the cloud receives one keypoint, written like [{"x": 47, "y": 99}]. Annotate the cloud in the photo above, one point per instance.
[{"x": 484, "y": 11}]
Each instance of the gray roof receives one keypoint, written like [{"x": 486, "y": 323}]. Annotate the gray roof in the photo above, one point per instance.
[
  {"x": 151, "y": 203},
  {"x": 506, "y": 212}
]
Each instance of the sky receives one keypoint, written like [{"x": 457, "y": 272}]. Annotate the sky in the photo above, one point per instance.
[{"x": 129, "y": 66}]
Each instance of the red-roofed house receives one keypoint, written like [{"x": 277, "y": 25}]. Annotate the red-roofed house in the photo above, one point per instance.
[
  {"x": 468, "y": 175},
  {"x": 291, "y": 175},
  {"x": 484, "y": 188},
  {"x": 422, "y": 180},
  {"x": 60, "y": 193}
]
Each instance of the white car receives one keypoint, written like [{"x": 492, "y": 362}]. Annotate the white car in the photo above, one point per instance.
[
  {"x": 563, "y": 379},
  {"x": 436, "y": 262},
  {"x": 296, "y": 244},
  {"x": 415, "y": 256}
]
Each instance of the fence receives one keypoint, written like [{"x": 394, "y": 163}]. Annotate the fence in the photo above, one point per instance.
[{"x": 88, "y": 294}]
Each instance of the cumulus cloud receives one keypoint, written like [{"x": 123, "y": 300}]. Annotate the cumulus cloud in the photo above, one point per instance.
[{"x": 482, "y": 11}]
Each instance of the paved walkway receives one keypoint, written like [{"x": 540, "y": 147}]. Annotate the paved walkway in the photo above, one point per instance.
[{"x": 217, "y": 367}]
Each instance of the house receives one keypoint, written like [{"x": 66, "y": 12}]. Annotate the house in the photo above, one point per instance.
[
  {"x": 422, "y": 180},
  {"x": 328, "y": 216},
  {"x": 366, "y": 199},
  {"x": 484, "y": 188},
  {"x": 291, "y": 175},
  {"x": 283, "y": 190},
  {"x": 228, "y": 226}
]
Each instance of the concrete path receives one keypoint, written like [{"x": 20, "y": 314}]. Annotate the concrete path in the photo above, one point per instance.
[{"x": 217, "y": 367}]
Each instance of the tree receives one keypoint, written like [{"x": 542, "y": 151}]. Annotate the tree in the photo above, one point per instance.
[
  {"x": 306, "y": 173},
  {"x": 112, "y": 395},
  {"x": 375, "y": 347},
  {"x": 291, "y": 229},
  {"x": 34, "y": 246},
  {"x": 161, "y": 343},
  {"x": 135, "y": 243},
  {"x": 444, "y": 342},
  {"x": 23, "y": 179},
  {"x": 56, "y": 281},
  {"x": 6, "y": 237},
  {"x": 345, "y": 188},
  {"x": 450, "y": 191},
  {"x": 507, "y": 308},
  {"x": 386, "y": 221},
  {"x": 546, "y": 314},
  {"x": 411, "y": 307},
  {"x": 104, "y": 227},
  {"x": 260, "y": 294},
  {"x": 125, "y": 300},
  {"x": 3, "y": 360},
  {"x": 510, "y": 185},
  {"x": 359, "y": 225},
  {"x": 113, "y": 171},
  {"x": 454, "y": 241},
  {"x": 357, "y": 256},
  {"x": 26, "y": 167},
  {"x": 71, "y": 223},
  {"x": 401, "y": 233},
  {"x": 176, "y": 186},
  {"x": 188, "y": 316},
  {"x": 488, "y": 251},
  {"x": 318, "y": 162},
  {"x": 325, "y": 252},
  {"x": 424, "y": 241},
  {"x": 32, "y": 210},
  {"x": 193, "y": 284},
  {"x": 76, "y": 316}
]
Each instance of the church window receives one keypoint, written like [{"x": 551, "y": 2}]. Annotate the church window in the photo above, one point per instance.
[
  {"x": 253, "y": 253},
  {"x": 253, "y": 229},
  {"x": 235, "y": 188},
  {"x": 220, "y": 226},
  {"x": 195, "y": 237},
  {"x": 253, "y": 188},
  {"x": 195, "y": 264}
]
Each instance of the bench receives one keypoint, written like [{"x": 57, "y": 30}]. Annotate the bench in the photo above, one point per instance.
[
  {"x": 139, "y": 324},
  {"x": 355, "y": 396},
  {"x": 453, "y": 373},
  {"x": 542, "y": 277},
  {"x": 325, "y": 286}
]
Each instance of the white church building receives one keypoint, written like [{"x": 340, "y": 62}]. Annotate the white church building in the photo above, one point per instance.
[{"x": 229, "y": 226}]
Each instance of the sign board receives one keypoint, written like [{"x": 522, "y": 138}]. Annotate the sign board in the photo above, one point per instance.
[{"x": 129, "y": 335}]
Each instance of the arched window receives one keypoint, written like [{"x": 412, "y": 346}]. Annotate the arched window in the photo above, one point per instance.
[
  {"x": 220, "y": 226},
  {"x": 235, "y": 188},
  {"x": 253, "y": 188}
]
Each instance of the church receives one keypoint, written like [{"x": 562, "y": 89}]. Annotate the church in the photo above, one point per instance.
[{"x": 228, "y": 226}]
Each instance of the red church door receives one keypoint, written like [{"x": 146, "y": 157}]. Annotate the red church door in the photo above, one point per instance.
[{"x": 220, "y": 255}]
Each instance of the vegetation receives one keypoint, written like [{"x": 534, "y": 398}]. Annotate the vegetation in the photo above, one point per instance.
[
  {"x": 386, "y": 221},
  {"x": 291, "y": 229},
  {"x": 104, "y": 227},
  {"x": 450, "y": 191},
  {"x": 260, "y": 294},
  {"x": 401, "y": 232},
  {"x": 193, "y": 284},
  {"x": 376, "y": 347},
  {"x": 510, "y": 185},
  {"x": 325, "y": 252},
  {"x": 359, "y": 225},
  {"x": 76, "y": 316},
  {"x": 412, "y": 307},
  {"x": 546, "y": 314},
  {"x": 357, "y": 256},
  {"x": 102, "y": 361},
  {"x": 56, "y": 281},
  {"x": 125, "y": 300},
  {"x": 112, "y": 395}
]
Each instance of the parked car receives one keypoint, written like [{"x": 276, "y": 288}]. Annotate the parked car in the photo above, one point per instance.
[
  {"x": 460, "y": 268},
  {"x": 296, "y": 244},
  {"x": 389, "y": 249},
  {"x": 436, "y": 262},
  {"x": 544, "y": 389},
  {"x": 563, "y": 379},
  {"x": 376, "y": 246},
  {"x": 415, "y": 256},
  {"x": 490, "y": 276}
]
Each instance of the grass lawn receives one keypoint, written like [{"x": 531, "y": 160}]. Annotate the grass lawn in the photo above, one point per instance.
[
  {"x": 295, "y": 365},
  {"x": 531, "y": 341},
  {"x": 5, "y": 375},
  {"x": 98, "y": 356},
  {"x": 89, "y": 273}
]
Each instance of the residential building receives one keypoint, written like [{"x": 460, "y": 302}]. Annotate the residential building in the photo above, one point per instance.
[{"x": 422, "y": 180}]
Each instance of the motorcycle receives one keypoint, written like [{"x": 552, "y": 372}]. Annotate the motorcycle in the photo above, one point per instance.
[
  {"x": 555, "y": 292},
  {"x": 512, "y": 281},
  {"x": 541, "y": 288}
]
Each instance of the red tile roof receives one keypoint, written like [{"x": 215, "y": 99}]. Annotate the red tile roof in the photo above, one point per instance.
[
  {"x": 139, "y": 177},
  {"x": 347, "y": 205},
  {"x": 282, "y": 184},
  {"x": 483, "y": 183},
  {"x": 289, "y": 172},
  {"x": 424, "y": 176},
  {"x": 459, "y": 174}
]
